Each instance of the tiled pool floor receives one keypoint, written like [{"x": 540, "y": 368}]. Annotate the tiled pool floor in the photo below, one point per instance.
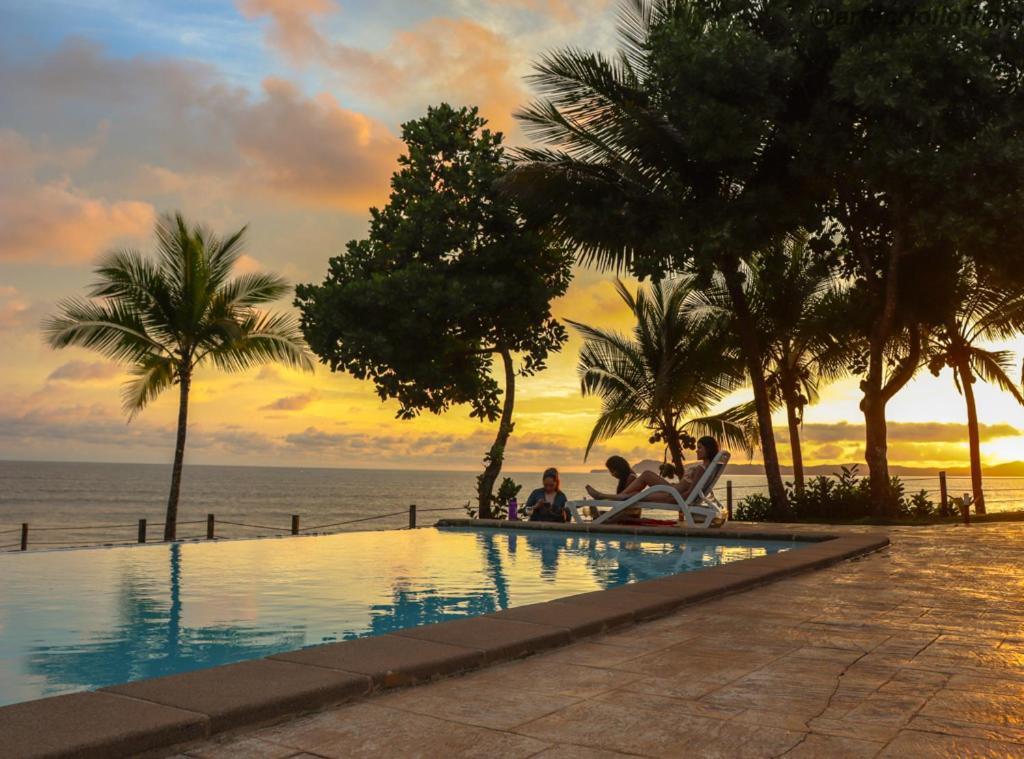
[{"x": 914, "y": 651}]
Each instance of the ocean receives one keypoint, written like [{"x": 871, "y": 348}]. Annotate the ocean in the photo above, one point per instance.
[{"x": 59, "y": 499}]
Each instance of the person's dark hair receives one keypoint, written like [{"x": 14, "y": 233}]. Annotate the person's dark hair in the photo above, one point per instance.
[
  {"x": 620, "y": 469},
  {"x": 710, "y": 446},
  {"x": 552, "y": 472}
]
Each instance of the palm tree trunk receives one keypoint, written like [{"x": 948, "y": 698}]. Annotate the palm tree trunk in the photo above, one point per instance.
[
  {"x": 171, "y": 520},
  {"x": 675, "y": 448},
  {"x": 755, "y": 368},
  {"x": 794, "y": 445},
  {"x": 497, "y": 453},
  {"x": 967, "y": 383},
  {"x": 876, "y": 452}
]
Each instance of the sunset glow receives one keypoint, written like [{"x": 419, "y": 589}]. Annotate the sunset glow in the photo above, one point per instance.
[{"x": 284, "y": 115}]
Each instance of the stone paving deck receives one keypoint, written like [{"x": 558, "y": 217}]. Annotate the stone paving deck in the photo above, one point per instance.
[{"x": 915, "y": 651}]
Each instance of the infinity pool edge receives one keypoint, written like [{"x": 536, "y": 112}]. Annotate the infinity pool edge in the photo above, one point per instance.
[{"x": 160, "y": 714}]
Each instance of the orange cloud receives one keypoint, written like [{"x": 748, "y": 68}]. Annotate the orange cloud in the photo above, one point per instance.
[
  {"x": 84, "y": 371},
  {"x": 442, "y": 59},
  {"x": 293, "y": 402},
  {"x": 53, "y": 221},
  {"x": 313, "y": 149}
]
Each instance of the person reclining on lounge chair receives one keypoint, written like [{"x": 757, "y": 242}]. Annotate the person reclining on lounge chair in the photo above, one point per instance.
[{"x": 707, "y": 449}]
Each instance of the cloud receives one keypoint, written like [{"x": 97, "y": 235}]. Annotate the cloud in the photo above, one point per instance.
[
  {"x": 18, "y": 312},
  {"x": 53, "y": 221},
  {"x": 84, "y": 371},
  {"x": 917, "y": 432},
  {"x": 293, "y": 402},
  {"x": 457, "y": 60},
  {"x": 179, "y": 128},
  {"x": 313, "y": 149}
]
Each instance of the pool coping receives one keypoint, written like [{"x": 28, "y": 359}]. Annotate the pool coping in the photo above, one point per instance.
[{"x": 160, "y": 714}]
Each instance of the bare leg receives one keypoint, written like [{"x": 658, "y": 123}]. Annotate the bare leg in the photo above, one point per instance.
[{"x": 646, "y": 479}]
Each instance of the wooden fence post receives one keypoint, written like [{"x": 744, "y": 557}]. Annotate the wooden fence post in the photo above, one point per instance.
[
  {"x": 412, "y": 516},
  {"x": 295, "y": 524},
  {"x": 142, "y": 530},
  {"x": 943, "y": 495},
  {"x": 728, "y": 497},
  {"x": 209, "y": 526},
  {"x": 966, "y": 509},
  {"x": 24, "y": 536}
]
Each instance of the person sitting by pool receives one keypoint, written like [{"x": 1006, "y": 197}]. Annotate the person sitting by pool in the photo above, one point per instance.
[
  {"x": 707, "y": 449},
  {"x": 547, "y": 504},
  {"x": 624, "y": 475}
]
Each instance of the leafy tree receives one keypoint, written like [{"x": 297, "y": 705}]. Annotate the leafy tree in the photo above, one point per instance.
[
  {"x": 987, "y": 310},
  {"x": 684, "y": 151},
  {"x": 168, "y": 317},
  {"x": 802, "y": 314},
  {"x": 925, "y": 160},
  {"x": 671, "y": 367},
  {"x": 448, "y": 278}
]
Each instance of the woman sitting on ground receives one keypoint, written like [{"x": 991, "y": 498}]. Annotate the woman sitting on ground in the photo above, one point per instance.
[
  {"x": 548, "y": 503},
  {"x": 707, "y": 449}
]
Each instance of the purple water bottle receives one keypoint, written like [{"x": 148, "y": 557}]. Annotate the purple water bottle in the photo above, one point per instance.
[{"x": 513, "y": 509}]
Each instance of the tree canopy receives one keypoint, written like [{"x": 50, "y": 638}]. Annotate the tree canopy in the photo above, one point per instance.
[{"x": 448, "y": 277}]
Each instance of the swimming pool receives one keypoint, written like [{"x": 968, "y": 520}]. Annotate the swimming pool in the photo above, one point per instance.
[{"x": 84, "y": 619}]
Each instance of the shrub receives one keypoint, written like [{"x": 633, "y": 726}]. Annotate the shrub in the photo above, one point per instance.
[
  {"x": 499, "y": 502},
  {"x": 754, "y": 508}
]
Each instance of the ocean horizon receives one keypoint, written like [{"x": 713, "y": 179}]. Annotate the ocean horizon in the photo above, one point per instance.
[{"x": 72, "y": 503}]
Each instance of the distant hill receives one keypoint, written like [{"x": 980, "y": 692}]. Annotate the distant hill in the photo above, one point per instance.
[{"x": 1009, "y": 469}]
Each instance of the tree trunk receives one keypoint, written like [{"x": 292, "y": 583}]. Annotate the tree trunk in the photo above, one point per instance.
[
  {"x": 171, "y": 519},
  {"x": 497, "y": 453},
  {"x": 755, "y": 368},
  {"x": 967, "y": 383},
  {"x": 675, "y": 448},
  {"x": 794, "y": 444},
  {"x": 876, "y": 452}
]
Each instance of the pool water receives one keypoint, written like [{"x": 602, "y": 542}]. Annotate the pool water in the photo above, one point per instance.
[{"x": 83, "y": 619}]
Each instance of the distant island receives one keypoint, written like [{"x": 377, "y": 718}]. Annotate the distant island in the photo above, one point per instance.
[{"x": 1009, "y": 469}]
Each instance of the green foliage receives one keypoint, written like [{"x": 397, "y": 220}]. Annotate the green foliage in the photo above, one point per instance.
[
  {"x": 676, "y": 363},
  {"x": 448, "y": 276},
  {"x": 499, "y": 501},
  {"x": 164, "y": 318},
  {"x": 844, "y": 496}
]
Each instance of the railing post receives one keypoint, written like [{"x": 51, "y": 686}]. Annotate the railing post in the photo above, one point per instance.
[
  {"x": 24, "y": 536},
  {"x": 209, "y": 526},
  {"x": 728, "y": 497},
  {"x": 412, "y": 516},
  {"x": 943, "y": 495},
  {"x": 965, "y": 509},
  {"x": 142, "y": 530},
  {"x": 295, "y": 524}
]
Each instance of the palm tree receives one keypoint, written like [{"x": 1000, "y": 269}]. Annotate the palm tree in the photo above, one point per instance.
[
  {"x": 671, "y": 367},
  {"x": 625, "y": 177},
  {"x": 799, "y": 305},
  {"x": 985, "y": 311},
  {"x": 166, "y": 318}
]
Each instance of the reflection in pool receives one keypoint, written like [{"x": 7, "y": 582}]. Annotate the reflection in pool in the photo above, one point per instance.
[{"x": 75, "y": 620}]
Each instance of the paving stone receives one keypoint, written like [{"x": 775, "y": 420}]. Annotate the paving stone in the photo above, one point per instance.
[
  {"x": 90, "y": 725},
  {"x": 369, "y": 729},
  {"x": 911, "y": 743},
  {"x": 815, "y": 746},
  {"x": 241, "y": 748},
  {"x": 671, "y": 731},
  {"x": 389, "y": 660},
  {"x": 477, "y": 703},
  {"x": 979, "y": 708},
  {"x": 498, "y": 639},
  {"x": 248, "y": 692}
]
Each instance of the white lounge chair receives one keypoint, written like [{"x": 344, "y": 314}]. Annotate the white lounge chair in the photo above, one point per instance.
[{"x": 699, "y": 509}]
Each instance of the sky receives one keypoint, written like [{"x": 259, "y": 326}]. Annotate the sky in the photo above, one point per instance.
[{"x": 284, "y": 115}]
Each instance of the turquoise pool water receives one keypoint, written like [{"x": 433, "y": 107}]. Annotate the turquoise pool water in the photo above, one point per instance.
[{"x": 82, "y": 619}]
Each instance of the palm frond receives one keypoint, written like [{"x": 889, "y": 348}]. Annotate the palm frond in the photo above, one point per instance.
[{"x": 150, "y": 378}]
